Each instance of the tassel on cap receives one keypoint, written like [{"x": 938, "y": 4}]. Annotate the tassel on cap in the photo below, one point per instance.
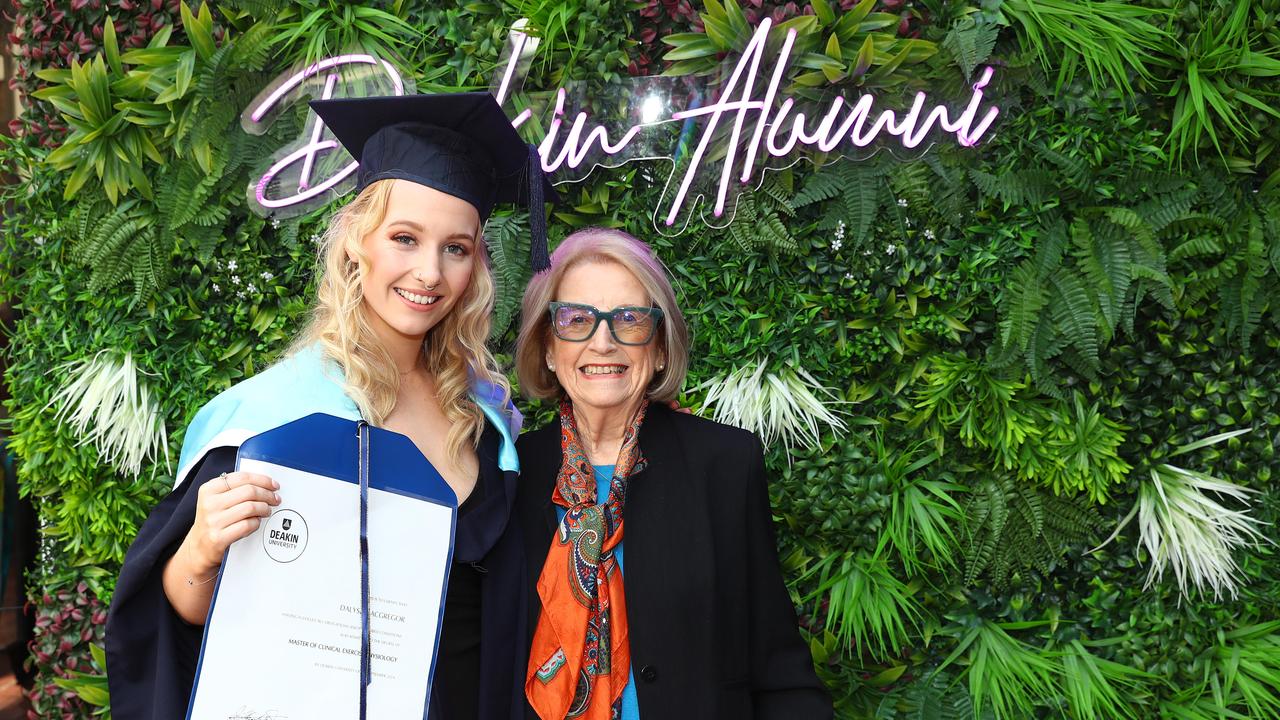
[{"x": 539, "y": 258}]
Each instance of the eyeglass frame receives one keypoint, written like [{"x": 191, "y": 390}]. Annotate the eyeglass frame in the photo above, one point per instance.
[{"x": 607, "y": 317}]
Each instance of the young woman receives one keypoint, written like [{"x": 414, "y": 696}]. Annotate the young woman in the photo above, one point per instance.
[{"x": 396, "y": 337}]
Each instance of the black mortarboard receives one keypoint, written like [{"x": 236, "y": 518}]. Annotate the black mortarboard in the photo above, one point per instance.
[{"x": 459, "y": 143}]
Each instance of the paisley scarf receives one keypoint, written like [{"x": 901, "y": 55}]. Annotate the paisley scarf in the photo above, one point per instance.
[{"x": 581, "y": 655}]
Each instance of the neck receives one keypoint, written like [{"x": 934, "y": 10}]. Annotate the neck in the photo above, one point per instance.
[
  {"x": 406, "y": 350},
  {"x": 601, "y": 430},
  {"x": 407, "y": 357}
]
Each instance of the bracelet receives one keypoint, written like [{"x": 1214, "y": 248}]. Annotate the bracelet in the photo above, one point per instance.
[{"x": 192, "y": 583}]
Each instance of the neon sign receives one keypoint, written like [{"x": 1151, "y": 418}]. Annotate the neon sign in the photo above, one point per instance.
[
  {"x": 373, "y": 76},
  {"x": 739, "y": 133}
]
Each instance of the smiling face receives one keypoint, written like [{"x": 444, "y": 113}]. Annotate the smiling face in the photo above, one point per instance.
[
  {"x": 418, "y": 262},
  {"x": 600, "y": 373}
]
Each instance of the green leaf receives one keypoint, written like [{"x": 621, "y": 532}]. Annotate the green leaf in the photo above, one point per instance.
[
  {"x": 866, "y": 55},
  {"x": 847, "y": 27},
  {"x": 738, "y": 24},
  {"x": 99, "y": 655},
  {"x": 154, "y": 56},
  {"x": 182, "y": 77},
  {"x": 691, "y": 49},
  {"x": 970, "y": 43},
  {"x": 199, "y": 29},
  {"x": 823, "y": 11},
  {"x": 111, "y": 47},
  {"x": 718, "y": 31},
  {"x": 61, "y": 76},
  {"x": 833, "y": 47},
  {"x": 888, "y": 677}
]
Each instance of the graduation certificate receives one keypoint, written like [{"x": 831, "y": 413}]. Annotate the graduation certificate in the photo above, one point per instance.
[{"x": 283, "y": 637}]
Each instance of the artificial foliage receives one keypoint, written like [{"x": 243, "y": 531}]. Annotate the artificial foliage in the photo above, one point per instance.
[{"x": 1026, "y": 395}]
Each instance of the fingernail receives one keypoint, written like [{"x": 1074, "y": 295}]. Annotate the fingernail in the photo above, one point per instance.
[
  {"x": 276, "y": 496},
  {"x": 275, "y": 485}
]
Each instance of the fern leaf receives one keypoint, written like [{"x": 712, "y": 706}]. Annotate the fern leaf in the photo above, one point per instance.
[
  {"x": 507, "y": 240},
  {"x": 1014, "y": 188},
  {"x": 970, "y": 43},
  {"x": 1163, "y": 210},
  {"x": 252, "y": 48},
  {"x": 949, "y": 192},
  {"x": 1045, "y": 344},
  {"x": 776, "y": 235},
  {"x": 820, "y": 186},
  {"x": 912, "y": 181},
  {"x": 1031, "y": 509},
  {"x": 1198, "y": 246},
  {"x": 1105, "y": 259},
  {"x": 1023, "y": 301},
  {"x": 1076, "y": 171},
  {"x": 1073, "y": 311},
  {"x": 779, "y": 197},
  {"x": 982, "y": 553}
]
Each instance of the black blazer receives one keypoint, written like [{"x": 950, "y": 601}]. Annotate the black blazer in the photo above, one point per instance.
[{"x": 713, "y": 632}]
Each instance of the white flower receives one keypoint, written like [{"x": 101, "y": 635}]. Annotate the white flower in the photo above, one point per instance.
[
  {"x": 902, "y": 202},
  {"x": 848, "y": 276},
  {"x": 231, "y": 265},
  {"x": 866, "y": 252},
  {"x": 315, "y": 238},
  {"x": 275, "y": 222},
  {"x": 840, "y": 230},
  {"x": 836, "y": 244},
  {"x": 928, "y": 234},
  {"x": 217, "y": 289},
  {"x": 39, "y": 239},
  {"x": 266, "y": 275},
  {"x": 891, "y": 249},
  {"x": 907, "y": 221},
  {"x": 235, "y": 279},
  {"x": 251, "y": 288},
  {"x": 240, "y": 294}
]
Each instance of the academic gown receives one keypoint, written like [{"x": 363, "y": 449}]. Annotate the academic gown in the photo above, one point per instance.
[{"x": 152, "y": 653}]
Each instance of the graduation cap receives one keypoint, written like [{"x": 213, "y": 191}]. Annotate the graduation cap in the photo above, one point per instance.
[{"x": 458, "y": 143}]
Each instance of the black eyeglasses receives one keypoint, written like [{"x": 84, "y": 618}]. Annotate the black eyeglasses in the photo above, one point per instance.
[{"x": 628, "y": 325}]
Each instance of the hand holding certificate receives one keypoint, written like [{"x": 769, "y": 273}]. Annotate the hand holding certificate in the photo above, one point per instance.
[{"x": 284, "y": 635}]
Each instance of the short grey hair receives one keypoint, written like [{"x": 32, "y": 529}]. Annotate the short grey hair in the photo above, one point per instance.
[{"x": 600, "y": 245}]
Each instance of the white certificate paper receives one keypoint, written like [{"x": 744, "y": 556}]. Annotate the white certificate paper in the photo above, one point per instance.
[{"x": 283, "y": 637}]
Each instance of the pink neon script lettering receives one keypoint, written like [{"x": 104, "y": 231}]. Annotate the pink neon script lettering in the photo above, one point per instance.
[
  {"x": 308, "y": 152},
  {"x": 575, "y": 149},
  {"x": 830, "y": 131},
  {"x": 778, "y": 131}
]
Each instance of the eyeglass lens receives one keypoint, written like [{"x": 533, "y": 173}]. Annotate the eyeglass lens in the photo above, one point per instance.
[{"x": 630, "y": 325}]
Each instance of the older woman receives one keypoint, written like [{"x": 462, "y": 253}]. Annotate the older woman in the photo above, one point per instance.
[{"x": 704, "y": 628}]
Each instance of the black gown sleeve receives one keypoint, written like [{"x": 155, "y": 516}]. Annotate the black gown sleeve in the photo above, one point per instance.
[
  {"x": 458, "y": 672},
  {"x": 151, "y": 651},
  {"x": 783, "y": 682}
]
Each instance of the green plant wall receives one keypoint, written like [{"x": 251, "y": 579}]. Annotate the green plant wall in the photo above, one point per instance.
[{"x": 1055, "y": 357}]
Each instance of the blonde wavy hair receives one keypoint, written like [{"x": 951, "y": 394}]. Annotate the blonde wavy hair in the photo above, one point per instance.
[{"x": 454, "y": 350}]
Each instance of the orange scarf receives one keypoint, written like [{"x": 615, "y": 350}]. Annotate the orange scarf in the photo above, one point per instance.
[{"x": 581, "y": 655}]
